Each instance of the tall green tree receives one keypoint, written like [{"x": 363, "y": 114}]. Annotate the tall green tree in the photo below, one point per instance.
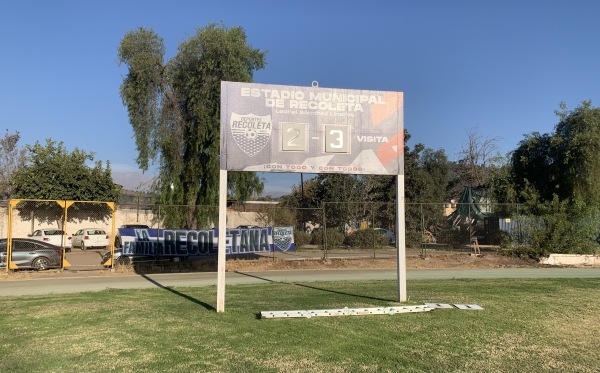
[
  {"x": 565, "y": 163},
  {"x": 174, "y": 109},
  {"x": 11, "y": 159},
  {"x": 534, "y": 165},
  {"x": 343, "y": 197},
  {"x": 502, "y": 190},
  {"x": 556, "y": 176},
  {"x": 577, "y": 146},
  {"x": 426, "y": 179},
  {"x": 305, "y": 203}
]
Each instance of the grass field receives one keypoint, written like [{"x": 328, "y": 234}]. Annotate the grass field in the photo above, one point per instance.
[{"x": 526, "y": 326}]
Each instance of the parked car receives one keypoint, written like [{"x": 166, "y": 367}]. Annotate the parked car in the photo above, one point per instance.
[
  {"x": 119, "y": 258},
  {"x": 53, "y": 236},
  {"x": 386, "y": 233},
  {"x": 139, "y": 226},
  {"x": 118, "y": 240},
  {"x": 90, "y": 237},
  {"x": 28, "y": 253},
  {"x": 128, "y": 259}
]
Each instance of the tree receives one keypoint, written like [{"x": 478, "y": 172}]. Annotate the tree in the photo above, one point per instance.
[
  {"x": 341, "y": 193},
  {"x": 556, "y": 176},
  {"x": 51, "y": 172},
  {"x": 304, "y": 202},
  {"x": 11, "y": 159},
  {"x": 174, "y": 109},
  {"x": 577, "y": 146},
  {"x": 372, "y": 197},
  {"x": 478, "y": 158},
  {"x": 565, "y": 163},
  {"x": 534, "y": 166},
  {"x": 502, "y": 190},
  {"x": 252, "y": 183},
  {"x": 426, "y": 179},
  {"x": 344, "y": 200}
]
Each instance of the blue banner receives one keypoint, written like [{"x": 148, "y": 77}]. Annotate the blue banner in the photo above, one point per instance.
[{"x": 184, "y": 243}]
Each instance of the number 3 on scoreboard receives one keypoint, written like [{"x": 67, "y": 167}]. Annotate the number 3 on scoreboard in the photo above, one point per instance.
[
  {"x": 337, "y": 138},
  {"x": 338, "y": 135}
]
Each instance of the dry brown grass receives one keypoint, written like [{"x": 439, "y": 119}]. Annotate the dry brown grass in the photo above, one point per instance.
[
  {"x": 435, "y": 260},
  {"x": 446, "y": 260}
]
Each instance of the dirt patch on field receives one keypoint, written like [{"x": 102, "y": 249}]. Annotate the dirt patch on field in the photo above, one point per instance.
[
  {"x": 452, "y": 260},
  {"x": 430, "y": 261}
]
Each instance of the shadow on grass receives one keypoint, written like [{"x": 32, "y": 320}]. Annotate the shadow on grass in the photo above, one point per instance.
[
  {"x": 199, "y": 302},
  {"x": 317, "y": 288}
]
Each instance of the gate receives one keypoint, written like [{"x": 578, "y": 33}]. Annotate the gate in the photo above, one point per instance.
[{"x": 67, "y": 221}]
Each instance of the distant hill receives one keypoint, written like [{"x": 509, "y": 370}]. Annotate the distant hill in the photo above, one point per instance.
[
  {"x": 134, "y": 181},
  {"x": 138, "y": 182}
]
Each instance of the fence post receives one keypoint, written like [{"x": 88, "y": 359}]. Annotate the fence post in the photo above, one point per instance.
[
  {"x": 324, "y": 233},
  {"x": 269, "y": 223},
  {"x": 373, "y": 228},
  {"x": 423, "y": 243}
]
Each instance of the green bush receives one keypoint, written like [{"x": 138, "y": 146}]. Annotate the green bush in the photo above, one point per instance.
[
  {"x": 525, "y": 252},
  {"x": 334, "y": 238},
  {"x": 558, "y": 236},
  {"x": 366, "y": 238},
  {"x": 413, "y": 238},
  {"x": 557, "y": 227},
  {"x": 499, "y": 238},
  {"x": 301, "y": 238},
  {"x": 453, "y": 237},
  {"x": 317, "y": 237}
]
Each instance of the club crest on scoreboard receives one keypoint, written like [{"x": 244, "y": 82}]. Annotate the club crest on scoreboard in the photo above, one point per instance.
[{"x": 251, "y": 132}]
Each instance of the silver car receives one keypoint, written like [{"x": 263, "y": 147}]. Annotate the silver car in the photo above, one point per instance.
[
  {"x": 31, "y": 254},
  {"x": 129, "y": 259}
]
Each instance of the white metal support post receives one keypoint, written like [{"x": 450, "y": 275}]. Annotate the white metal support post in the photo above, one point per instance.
[
  {"x": 401, "y": 239},
  {"x": 222, "y": 241}
]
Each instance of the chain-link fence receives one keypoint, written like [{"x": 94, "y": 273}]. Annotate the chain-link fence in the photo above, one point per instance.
[
  {"x": 460, "y": 226},
  {"x": 448, "y": 226},
  {"x": 368, "y": 228},
  {"x": 43, "y": 233}
]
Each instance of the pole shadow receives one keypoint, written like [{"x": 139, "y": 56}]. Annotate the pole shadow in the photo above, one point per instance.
[
  {"x": 191, "y": 299},
  {"x": 317, "y": 288}
]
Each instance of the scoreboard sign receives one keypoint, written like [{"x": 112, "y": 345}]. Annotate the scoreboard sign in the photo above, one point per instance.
[{"x": 310, "y": 129}]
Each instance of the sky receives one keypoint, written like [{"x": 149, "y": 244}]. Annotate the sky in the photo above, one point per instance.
[{"x": 499, "y": 67}]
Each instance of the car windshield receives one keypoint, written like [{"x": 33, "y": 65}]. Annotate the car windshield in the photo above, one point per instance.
[{"x": 53, "y": 232}]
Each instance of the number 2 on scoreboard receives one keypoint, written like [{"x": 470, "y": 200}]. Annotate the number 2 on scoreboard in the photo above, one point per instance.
[{"x": 294, "y": 137}]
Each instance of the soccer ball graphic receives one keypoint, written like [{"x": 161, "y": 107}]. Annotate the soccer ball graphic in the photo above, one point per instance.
[{"x": 251, "y": 134}]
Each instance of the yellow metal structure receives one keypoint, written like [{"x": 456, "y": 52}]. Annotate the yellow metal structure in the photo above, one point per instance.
[
  {"x": 64, "y": 204},
  {"x": 9, "y": 264}
]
